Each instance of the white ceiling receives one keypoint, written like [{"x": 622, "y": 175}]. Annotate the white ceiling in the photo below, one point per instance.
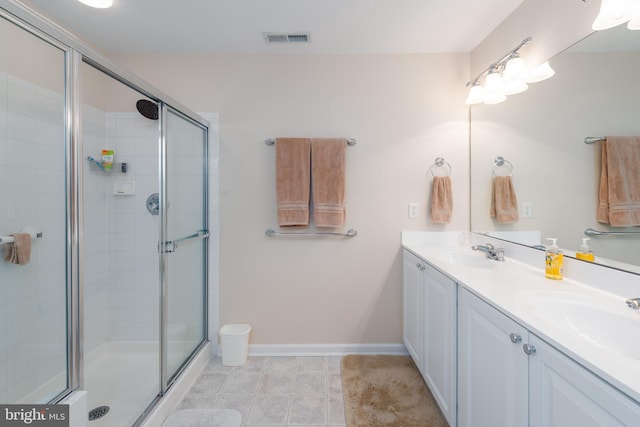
[{"x": 236, "y": 26}]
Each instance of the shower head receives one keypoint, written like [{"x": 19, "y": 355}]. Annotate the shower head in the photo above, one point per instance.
[{"x": 147, "y": 108}]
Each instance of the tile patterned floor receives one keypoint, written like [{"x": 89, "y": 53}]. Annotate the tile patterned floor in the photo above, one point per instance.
[{"x": 273, "y": 391}]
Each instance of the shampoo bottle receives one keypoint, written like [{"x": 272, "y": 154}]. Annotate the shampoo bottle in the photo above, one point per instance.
[
  {"x": 585, "y": 253},
  {"x": 553, "y": 261}
]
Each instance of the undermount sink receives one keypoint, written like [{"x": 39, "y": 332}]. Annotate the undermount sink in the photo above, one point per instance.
[
  {"x": 473, "y": 260},
  {"x": 605, "y": 322}
]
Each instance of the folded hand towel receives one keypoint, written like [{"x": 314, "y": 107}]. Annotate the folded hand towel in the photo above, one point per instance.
[
  {"x": 19, "y": 251},
  {"x": 328, "y": 181},
  {"x": 441, "y": 200},
  {"x": 504, "y": 205},
  {"x": 619, "y": 193},
  {"x": 293, "y": 156}
]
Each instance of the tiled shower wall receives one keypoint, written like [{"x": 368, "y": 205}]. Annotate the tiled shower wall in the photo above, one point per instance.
[
  {"x": 121, "y": 257},
  {"x": 32, "y": 193}
]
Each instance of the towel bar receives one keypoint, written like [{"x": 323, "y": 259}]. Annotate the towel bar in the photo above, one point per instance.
[
  {"x": 440, "y": 162},
  {"x": 594, "y": 139},
  {"x": 10, "y": 239},
  {"x": 499, "y": 162},
  {"x": 592, "y": 232},
  {"x": 349, "y": 233},
  {"x": 350, "y": 142}
]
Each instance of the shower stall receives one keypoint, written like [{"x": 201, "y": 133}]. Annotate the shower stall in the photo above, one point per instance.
[{"x": 108, "y": 179}]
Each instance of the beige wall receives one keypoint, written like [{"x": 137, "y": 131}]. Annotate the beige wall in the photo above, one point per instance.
[{"x": 404, "y": 110}]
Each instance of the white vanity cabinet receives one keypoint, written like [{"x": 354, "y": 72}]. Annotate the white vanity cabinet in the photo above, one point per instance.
[
  {"x": 429, "y": 329},
  {"x": 492, "y": 367},
  {"x": 563, "y": 393},
  {"x": 509, "y": 377}
]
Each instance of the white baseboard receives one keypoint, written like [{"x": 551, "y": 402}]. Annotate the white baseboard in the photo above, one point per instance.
[{"x": 325, "y": 349}]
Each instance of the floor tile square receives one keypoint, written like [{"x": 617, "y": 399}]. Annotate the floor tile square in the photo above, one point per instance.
[
  {"x": 241, "y": 382},
  {"x": 334, "y": 384},
  {"x": 312, "y": 363},
  {"x": 308, "y": 410},
  {"x": 241, "y": 404},
  {"x": 269, "y": 410},
  {"x": 336, "y": 411},
  {"x": 197, "y": 402},
  {"x": 310, "y": 383},
  {"x": 276, "y": 383},
  {"x": 208, "y": 384}
]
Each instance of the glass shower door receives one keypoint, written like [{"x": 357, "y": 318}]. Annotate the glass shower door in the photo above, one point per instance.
[
  {"x": 184, "y": 199},
  {"x": 34, "y": 222}
]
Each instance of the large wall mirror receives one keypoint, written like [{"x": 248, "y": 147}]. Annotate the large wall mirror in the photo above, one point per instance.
[{"x": 541, "y": 132}]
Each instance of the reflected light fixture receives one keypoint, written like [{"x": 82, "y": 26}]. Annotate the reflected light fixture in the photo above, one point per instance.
[
  {"x": 615, "y": 12},
  {"x": 99, "y": 4},
  {"x": 507, "y": 76},
  {"x": 539, "y": 73}
]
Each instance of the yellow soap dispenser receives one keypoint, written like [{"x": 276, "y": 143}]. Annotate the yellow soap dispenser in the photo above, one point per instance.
[
  {"x": 585, "y": 253},
  {"x": 553, "y": 260}
]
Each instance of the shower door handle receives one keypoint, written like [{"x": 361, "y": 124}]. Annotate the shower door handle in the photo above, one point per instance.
[{"x": 171, "y": 245}]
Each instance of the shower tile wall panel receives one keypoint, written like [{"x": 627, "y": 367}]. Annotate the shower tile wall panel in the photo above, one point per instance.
[
  {"x": 121, "y": 237},
  {"x": 32, "y": 190},
  {"x": 132, "y": 254}
]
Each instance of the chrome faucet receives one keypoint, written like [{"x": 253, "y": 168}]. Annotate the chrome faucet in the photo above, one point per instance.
[
  {"x": 633, "y": 303},
  {"x": 493, "y": 253}
]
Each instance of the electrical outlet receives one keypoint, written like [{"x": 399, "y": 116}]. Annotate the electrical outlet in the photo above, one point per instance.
[
  {"x": 413, "y": 210},
  {"x": 527, "y": 210}
]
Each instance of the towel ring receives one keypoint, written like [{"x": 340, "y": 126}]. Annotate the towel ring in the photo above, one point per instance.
[
  {"x": 440, "y": 163},
  {"x": 499, "y": 162}
]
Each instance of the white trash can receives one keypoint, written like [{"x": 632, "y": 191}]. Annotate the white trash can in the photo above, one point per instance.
[{"x": 234, "y": 340}]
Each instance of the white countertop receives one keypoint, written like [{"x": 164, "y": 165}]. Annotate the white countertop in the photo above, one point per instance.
[{"x": 514, "y": 287}]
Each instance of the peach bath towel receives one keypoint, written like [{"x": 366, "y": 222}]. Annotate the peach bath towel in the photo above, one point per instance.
[
  {"x": 504, "y": 204},
  {"x": 293, "y": 157},
  {"x": 19, "y": 252},
  {"x": 441, "y": 200},
  {"x": 619, "y": 193},
  {"x": 328, "y": 171}
]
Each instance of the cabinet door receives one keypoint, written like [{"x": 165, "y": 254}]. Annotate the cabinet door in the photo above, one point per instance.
[
  {"x": 563, "y": 393},
  {"x": 439, "y": 365},
  {"x": 492, "y": 367},
  {"x": 412, "y": 314}
]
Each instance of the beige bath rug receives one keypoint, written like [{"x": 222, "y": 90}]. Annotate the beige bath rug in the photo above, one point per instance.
[{"x": 387, "y": 391}]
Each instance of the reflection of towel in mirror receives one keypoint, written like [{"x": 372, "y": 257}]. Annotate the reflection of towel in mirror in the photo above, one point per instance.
[
  {"x": 441, "y": 200},
  {"x": 619, "y": 194},
  {"x": 328, "y": 170},
  {"x": 293, "y": 157},
  {"x": 19, "y": 251},
  {"x": 504, "y": 205}
]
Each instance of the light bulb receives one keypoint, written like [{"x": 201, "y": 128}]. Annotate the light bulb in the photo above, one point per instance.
[
  {"x": 634, "y": 23},
  {"x": 99, "y": 4},
  {"x": 476, "y": 94},
  {"x": 612, "y": 13},
  {"x": 539, "y": 73},
  {"x": 515, "y": 67},
  {"x": 515, "y": 86}
]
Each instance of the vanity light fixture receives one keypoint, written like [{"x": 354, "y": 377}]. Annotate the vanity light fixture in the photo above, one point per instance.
[
  {"x": 507, "y": 76},
  {"x": 99, "y": 4}
]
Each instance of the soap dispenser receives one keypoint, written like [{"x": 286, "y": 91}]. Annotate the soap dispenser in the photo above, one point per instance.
[
  {"x": 585, "y": 253},
  {"x": 553, "y": 260}
]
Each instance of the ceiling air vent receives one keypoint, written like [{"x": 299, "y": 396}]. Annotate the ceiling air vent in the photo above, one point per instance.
[{"x": 287, "y": 37}]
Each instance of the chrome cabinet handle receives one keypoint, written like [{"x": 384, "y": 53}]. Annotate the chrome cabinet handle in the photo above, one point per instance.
[
  {"x": 529, "y": 349},
  {"x": 420, "y": 267},
  {"x": 515, "y": 338}
]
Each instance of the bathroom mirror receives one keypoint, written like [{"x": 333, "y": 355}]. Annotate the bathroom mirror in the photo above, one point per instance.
[{"x": 594, "y": 93}]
